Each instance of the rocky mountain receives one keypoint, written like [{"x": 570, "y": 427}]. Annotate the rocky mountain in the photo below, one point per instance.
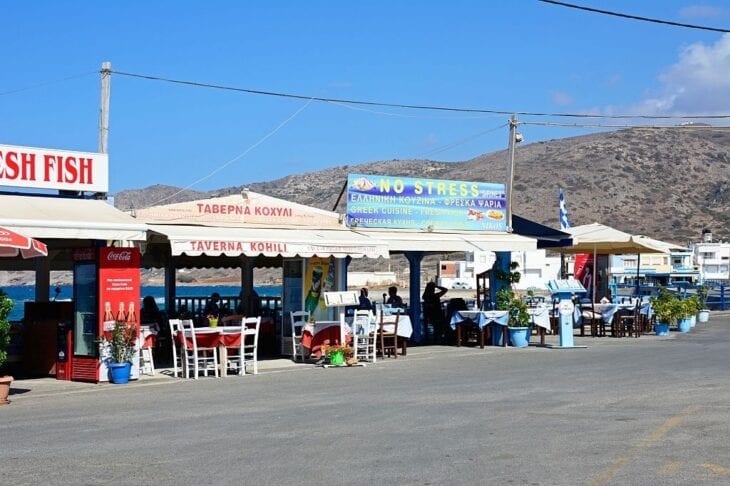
[{"x": 667, "y": 183}]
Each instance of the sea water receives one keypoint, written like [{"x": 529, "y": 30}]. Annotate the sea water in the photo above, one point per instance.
[{"x": 22, "y": 293}]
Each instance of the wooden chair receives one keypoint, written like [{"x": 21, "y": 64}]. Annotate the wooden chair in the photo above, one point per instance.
[
  {"x": 203, "y": 359},
  {"x": 247, "y": 351},
  {"x": 388, "y": 339},
  {"x": 630, "y": 322},
  {"x": 592, "y": 318},
  {"x": 298, "y": 320},
  {"x": 175, "y": 330}
]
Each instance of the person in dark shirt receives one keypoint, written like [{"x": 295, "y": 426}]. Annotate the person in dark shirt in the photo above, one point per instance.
[
  {"x": 394, "y": 300},
  {"x": 432, "y": 310},
  {"x": 365, "y": 303},
  {"x": 212, "y": 306}
]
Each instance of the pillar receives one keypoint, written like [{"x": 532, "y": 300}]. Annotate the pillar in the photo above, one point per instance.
[
  {"x": 170, "y": 287},
  {"x": 42, "y": 279},
  {"x": 414, "y": 298}
]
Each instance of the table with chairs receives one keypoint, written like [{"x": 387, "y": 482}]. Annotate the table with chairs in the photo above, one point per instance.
[{"x": 214, "y": 350}]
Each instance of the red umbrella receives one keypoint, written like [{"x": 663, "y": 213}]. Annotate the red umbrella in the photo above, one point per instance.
[{"x": 12, "y": 243}]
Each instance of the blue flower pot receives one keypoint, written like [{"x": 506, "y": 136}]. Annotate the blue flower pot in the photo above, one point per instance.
[
  {"x": 519, "y": 337},
  {"x": 661, "y": 328},
  {"x": 684, "y": 324},
  {"x": 119, "y": 372}
]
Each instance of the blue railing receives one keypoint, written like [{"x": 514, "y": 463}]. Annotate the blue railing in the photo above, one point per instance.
[{"x": 717, "y": 294}]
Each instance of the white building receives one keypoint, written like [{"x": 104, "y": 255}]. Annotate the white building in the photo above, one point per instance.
[
  {"x": 535, "y": 266},
  {"x": 712, "y": 258}
]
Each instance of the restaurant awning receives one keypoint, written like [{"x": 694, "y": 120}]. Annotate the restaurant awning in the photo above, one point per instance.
[
  {"x": 399, "y": 241},
  {"x": 254, "y": 241},
  {"x": 64, "y": 218},
  {"x": 546, "y": 236}
]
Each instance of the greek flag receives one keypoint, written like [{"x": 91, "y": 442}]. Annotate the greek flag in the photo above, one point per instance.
[{"x": 564, "y": 223}]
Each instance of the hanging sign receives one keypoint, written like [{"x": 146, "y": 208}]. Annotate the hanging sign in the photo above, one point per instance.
[
  {"x": 40, "y": 168},
  {"x": 378, "y": 201}
]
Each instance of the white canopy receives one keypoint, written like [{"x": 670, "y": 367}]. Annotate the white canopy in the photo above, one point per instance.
[
  {"x": 436, "y": 241},
  {"x": 254, "y": 241},
  {"x": 599, "y": 238},
  {"x": 66, "y": 218}
]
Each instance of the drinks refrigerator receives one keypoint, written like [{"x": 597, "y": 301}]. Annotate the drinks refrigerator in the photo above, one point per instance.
[{"x": 103, "y": 279}]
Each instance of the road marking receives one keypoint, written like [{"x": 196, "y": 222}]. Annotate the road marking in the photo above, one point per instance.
[
  {"x": 655, "y": 436},
  {"x": 717, "y": 469}
]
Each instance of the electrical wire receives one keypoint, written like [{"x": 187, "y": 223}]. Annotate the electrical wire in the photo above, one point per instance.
[
  {"x": 239, "y": 156},
  {"x": 416, "y": 107},
  {"x": 647, "y": 127},
  {"x": 633, "y": 17},
  {"x": 459, "y": 142},
  {"x": 402, "y": 115},
  {"x": 47, "y": 83}
]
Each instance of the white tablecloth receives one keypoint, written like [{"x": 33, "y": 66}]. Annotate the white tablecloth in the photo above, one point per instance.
[{"x": 480, "y": 318}]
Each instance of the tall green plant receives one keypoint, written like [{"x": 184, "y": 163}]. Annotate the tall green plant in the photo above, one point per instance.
[
  {"x": 6, "y": 305},
  {"x": 122, "y": 342},
  {"x": 507, "y": 300},
  {"x": 667, "y": 307}
]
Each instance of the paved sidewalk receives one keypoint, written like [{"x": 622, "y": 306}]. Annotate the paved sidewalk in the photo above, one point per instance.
[{"x": 25, "y": 389}]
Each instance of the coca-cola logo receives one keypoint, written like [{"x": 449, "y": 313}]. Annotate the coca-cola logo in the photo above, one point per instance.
[
  {"x": 120, "y": 256},
  {"x": 4, "y": 233}
]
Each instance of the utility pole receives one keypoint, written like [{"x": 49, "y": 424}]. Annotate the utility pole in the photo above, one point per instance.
[
  {"x": 106, "y": 76},
  {"x": 511, "y": 168}
]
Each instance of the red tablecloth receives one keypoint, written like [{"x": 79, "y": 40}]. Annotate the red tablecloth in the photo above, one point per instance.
[
  {"x": 212, "y": 337},
  {"x": 329, "y": 335}
]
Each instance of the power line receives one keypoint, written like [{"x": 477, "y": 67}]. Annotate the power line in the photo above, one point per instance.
[
  {"x": 415, "y": 107},
  {"x": 646, "y": 127},
  {"x": 242, "y": 154},
  {"x": 633, "y": 17},
  {"x": 457, "y": 143},
  {"x": 46, "y": 83}
]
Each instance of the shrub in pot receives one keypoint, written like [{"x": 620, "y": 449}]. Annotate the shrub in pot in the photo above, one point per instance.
[
  {"x": 519, "y": 319},
  {"x": 704, "y": 313},
  {"x": 122, "y": 347},
  {"x": 6, "y": 305},
  {"x": 668, "y": 309}
]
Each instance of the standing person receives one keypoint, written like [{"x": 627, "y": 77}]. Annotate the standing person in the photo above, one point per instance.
[
  {"x": 365, "y": 303},
  {"x": 432, "y": 311},
  {"x": 394, "y": 300}
]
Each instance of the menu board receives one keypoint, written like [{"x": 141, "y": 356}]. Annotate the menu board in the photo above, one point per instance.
[
  {"x": 336, "y": 299},
  {"x": 565, "y": 285}
]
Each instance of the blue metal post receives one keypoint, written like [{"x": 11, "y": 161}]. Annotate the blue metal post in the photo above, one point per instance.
[
  {"x": 501, "y": 263},
  {"x": 722, "y": 296},
  {"x": 414, "y": 298}
]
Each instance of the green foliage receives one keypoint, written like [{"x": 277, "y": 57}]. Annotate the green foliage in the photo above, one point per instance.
[
  {"x": 507, "y": 300},
  {"x": 6, "y": 305},
  {"x": 691, "y": 306},
  {"x": 511, "y": 277},
  {"x": 122, "y": 343},
  {"x": 702, "y": 292},
  {"x": 667, "y": 307}
]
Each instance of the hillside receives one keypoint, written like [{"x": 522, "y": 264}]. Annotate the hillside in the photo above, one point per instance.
[{"x": 664, "y": 183}]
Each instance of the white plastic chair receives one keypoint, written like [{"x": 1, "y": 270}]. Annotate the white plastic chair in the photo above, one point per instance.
[
  {"x": 175, "y": 329},
  {"x": 298, "y": 320},
  {"x": 364, "y": 330},
  {"x": 203, "y": 359}
]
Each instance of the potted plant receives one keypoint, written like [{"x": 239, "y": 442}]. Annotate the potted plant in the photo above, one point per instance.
[
  {"x": 121, "y": 346},
  {"x": 693, "y": 307},
  {"x": 686, "y": 309},
  {"x": 704, "y": 313},
  {"x": 337, "y": 353},
  {"x": 667, "y": 308},
  {"x": 519, "y": 319},
  {"x": 6, "y": 305}
]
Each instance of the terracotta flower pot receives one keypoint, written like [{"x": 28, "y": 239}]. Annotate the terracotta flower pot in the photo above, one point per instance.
[{"x": 5, "y": 382}]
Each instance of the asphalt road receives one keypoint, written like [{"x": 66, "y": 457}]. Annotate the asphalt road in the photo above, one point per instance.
[{"x": 623, "y": 411}]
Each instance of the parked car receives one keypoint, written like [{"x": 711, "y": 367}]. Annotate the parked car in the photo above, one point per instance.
[{"x": 461, "y": 285}]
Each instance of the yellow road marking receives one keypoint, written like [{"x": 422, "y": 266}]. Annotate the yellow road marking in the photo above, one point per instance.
[
  {"x": 717, "y": 469},
  {"x": 655, "y": 436}
]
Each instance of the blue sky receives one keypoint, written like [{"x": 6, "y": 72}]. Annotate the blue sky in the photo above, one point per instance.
[{"x": 520, "y": 55}]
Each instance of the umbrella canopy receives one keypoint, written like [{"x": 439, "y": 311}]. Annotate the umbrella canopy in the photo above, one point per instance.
[
  {"x": 599, "y": 238},
  {"x": 13, "y": 243}
]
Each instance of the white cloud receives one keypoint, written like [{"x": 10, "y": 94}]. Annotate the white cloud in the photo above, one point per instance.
[
  {"x": 699, "y": 83},
  {"x": 701, "y": 12},
  {"x": 561, "y": 98}
]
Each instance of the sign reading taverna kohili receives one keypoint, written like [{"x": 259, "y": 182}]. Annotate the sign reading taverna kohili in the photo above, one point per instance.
[{"x": 379, "y": 201}]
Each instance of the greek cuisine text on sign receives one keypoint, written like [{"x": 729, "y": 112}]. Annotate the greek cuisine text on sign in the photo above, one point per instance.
[{"x": 376, "y": 201}]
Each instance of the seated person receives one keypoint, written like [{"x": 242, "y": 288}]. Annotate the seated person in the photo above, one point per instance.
[
  {"x": 212, "y": 307},
  {"x": 365, "y": 303},
  {"x": 253, "y": 308},
  {"x": 149, "y": 314},
  {"x": 394, "y": 300}
]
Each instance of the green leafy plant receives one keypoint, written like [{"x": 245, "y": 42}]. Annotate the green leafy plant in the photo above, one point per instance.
[
  {"x": 511, "y": 277},
  {"x": 507, "y": 300},
  {"x": 122, "y": 344},
  {"x": 702, "y": 292},
  {"x": 6, "y": 305},
  {"x": 667, "y": 307},
  {"x": 691, "y": 306}
]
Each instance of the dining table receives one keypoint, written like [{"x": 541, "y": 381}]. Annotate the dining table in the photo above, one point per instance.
[
  {"x": 496, "y": 319},
  {"x": 220, "y": 337},
  {"x": 315, "y": 334}
]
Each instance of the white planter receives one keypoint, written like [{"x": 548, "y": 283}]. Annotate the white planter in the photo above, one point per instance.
[{"x": 703, "y": 315}]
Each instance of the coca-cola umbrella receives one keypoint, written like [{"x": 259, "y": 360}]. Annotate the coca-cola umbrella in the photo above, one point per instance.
[{"x": 13, "y": 243}]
